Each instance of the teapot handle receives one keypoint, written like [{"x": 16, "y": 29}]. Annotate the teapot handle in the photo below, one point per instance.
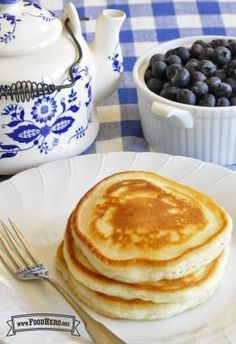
[
  {"x": 71, "y": 13},
  {"x": 26, "y": 90}
]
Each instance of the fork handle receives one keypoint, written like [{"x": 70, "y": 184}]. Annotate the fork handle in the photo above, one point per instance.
[{"x": 97, "y": 331}]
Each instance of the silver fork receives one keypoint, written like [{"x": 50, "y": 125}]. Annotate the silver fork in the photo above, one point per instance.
[{"x": 24, "y": 264}]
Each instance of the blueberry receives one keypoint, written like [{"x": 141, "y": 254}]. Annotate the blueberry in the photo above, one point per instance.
[
  {"x": 170, "y": 52},
  {"x": 196, "y": 50},
  {"x": 173, "y": 59},
  {"x": 212, "y": 82},
  {"x": 231, "y": 68},
  {"x": 193, "y": 60},
  {"x": 148, "y": 75},
  {"x": 186, "y": 96},
  {"x": 170, "y": 93},
  {"x": 164, "y": 93},
  {"x": 199, "y": 88},
  {"x": 191, "y": 66},
  {"x": 204, "y": 75},
  {"x": 233, "y": 101},
  {"x": 224, "y": 42},
  {"x": 222, "y": 90},
  {"x": 232, "y": 47},
  {"x": 197, "y": 76},
  {"x": 181, "y": 78},
  {"x": 157, "y": 57},
  {"x": 221, "y": 56},
  {"x": 223, "y": 102},
  {"x": 201, "y": 42},
  {"x": 206, "y": 54},
  {"x": 207, "y": 67},
  {"x": 183, "y": 53},
  {"x": 171, "y": 70},
  {"x": 207, "y": 100},
  {"x": 232, "y": 83},
  {"x": 166, "y": 85},
  {"x": 215, "y": 43},
  {"x": 221, "y": 73},
  {"x": 155, "y": 85},
  {"x": 159, "y": 69}
]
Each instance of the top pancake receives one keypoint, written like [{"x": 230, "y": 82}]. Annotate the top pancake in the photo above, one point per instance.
[{"x": 138, "y": 226}]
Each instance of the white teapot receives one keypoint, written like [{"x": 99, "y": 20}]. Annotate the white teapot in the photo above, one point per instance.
[{"x": 51, "y": 80}]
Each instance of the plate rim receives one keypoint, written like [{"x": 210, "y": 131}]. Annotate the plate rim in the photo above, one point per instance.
[{"x": 51, "y": 165}]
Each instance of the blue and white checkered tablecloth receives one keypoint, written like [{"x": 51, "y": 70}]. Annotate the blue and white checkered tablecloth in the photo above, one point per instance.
[{"x": 148, "y": 22}]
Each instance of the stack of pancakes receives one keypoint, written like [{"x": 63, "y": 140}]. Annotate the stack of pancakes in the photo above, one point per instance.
[{"x": 140, "y": 246}]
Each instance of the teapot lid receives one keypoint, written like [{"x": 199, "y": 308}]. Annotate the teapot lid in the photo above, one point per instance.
[{"x": 26, "y": 26}]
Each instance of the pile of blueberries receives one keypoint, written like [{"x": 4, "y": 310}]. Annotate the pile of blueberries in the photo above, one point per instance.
[{"x": 203, "y": 75}]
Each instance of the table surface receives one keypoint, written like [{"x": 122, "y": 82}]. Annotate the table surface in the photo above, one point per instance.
[{"x": 147, "y": 23}]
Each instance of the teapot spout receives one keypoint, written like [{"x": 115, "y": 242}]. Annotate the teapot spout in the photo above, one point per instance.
[{"x": 106, "y": 53}]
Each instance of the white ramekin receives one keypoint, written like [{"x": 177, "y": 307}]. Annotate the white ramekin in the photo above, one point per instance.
[{"x": 201, "y": 132}]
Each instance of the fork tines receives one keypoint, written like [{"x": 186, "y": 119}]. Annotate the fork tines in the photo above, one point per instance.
[{"x": 18, "y": 253}]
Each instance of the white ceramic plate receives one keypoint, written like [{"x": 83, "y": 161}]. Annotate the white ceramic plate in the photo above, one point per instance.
[{"x": 40, "y": 200}]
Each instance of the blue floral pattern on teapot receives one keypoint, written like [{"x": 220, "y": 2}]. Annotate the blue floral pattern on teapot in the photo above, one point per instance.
[
  {"x": 9, "y": 21},
  {"x": 51, "y": 117},
  {"x": 38, "y": 48},
  {"x": 10, "y": 27},
  {"x": 117, "y": 61}
]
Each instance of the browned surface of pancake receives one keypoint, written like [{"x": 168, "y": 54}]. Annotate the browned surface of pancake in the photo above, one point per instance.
[
  {"x": 164, "y": 286},
  {"x": 146, "y": 218},
  {"x": 146, "y": 210}
]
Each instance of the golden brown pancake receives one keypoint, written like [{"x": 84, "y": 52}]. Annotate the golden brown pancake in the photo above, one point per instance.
[
  {"x": 140, "y": 227},
  {"x": 116, "y": 307},
  {"x": 182, "y": 289}
]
